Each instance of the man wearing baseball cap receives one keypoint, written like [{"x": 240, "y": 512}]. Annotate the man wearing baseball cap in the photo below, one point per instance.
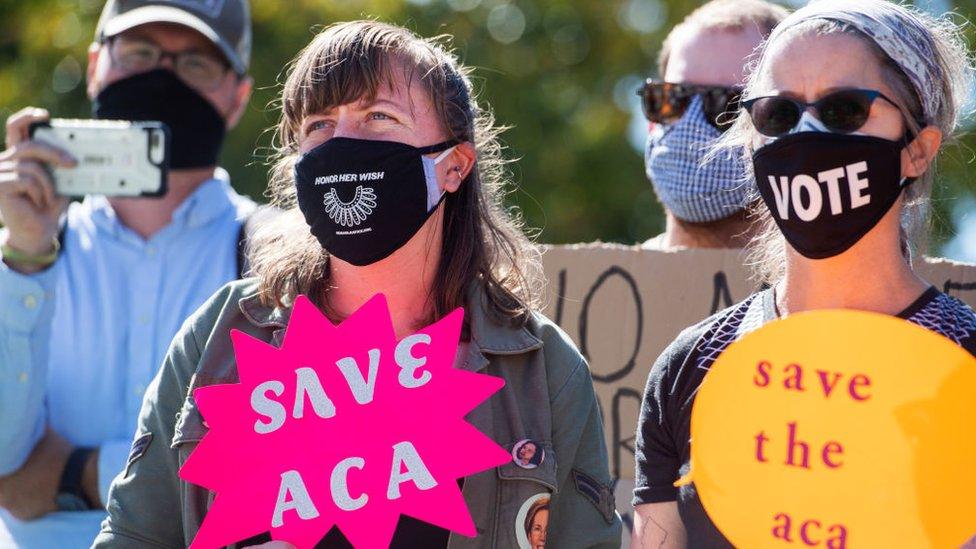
[{"x": 91, "y": 294}]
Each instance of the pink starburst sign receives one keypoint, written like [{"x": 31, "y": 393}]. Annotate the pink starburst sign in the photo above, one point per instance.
[{"x": 341, "y": 426}]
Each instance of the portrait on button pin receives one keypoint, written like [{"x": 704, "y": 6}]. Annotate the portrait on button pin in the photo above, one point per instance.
[
  {"x": 532, "y": 521},
  {"x": 528, "y": 454}
]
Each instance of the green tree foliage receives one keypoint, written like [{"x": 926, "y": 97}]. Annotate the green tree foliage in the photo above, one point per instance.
[{"x": 561, "y": 73}]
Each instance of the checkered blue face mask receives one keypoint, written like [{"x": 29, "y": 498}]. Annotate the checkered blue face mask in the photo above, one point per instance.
[{"x": 690, "y": 190}]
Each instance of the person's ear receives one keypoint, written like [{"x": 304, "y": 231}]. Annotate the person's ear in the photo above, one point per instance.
[
  {"x": 918, "y": 155},
  {"x": 94, "y": 52},
  {"x": 242, "y": 94},
  {"x": 454, "y": 168}
]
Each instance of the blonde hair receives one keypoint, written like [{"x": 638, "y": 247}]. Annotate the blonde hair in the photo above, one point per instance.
[
  {"x": 483, "y": 242},
  {"x": 727, "y": 15},
  {"x": 767, "y": 251},
  {"x": 539, "y": 505}
]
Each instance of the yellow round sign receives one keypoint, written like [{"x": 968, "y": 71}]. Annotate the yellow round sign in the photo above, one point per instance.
[{"x": 838, "y": 429}]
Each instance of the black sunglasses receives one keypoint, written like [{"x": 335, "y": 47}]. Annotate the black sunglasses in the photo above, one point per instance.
[
  {"x": 666, "y": 102},
  {"x": 842, "y": 111}
]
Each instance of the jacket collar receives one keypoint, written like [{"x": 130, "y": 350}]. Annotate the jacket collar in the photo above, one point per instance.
[
  {"x": 487, "y": 336},
  {"x": 261, "y": 315},
  {"x": 490, "y": 336}
]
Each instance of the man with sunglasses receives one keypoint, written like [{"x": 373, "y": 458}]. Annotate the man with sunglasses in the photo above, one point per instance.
[
  {"x": 92, "y": 293},
  {"x": 701, "y": 64}
]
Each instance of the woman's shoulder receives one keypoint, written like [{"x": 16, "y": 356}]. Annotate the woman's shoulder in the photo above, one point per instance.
[
  {"x": 537, "y": 340},
  {"x": 206, "y": 332},
  {"x": 547, "y": 331},
  {"x": 945, "y": 315},
  {"x": 697, "y": 346},
  {"x": 226, "y": 301},
  {"x": 513, "y": 335}
]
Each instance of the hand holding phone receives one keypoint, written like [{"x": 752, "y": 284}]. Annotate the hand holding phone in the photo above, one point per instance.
[{"x": 29, "y": 205}]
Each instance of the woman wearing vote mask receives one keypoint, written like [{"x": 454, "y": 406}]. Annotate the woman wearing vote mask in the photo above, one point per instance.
[
  {"x": 422, "y": 222},
  {"x": 845, "y": 113}
]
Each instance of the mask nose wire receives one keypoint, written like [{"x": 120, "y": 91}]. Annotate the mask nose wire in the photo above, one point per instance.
[{"x": 809, "y": 122}]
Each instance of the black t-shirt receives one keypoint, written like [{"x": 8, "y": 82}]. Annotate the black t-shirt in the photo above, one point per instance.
[
  {"x": 410, "y": 533},
  {"x": 663, "y": 433}
]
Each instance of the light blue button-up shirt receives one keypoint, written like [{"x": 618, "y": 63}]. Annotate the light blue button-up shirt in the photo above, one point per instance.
[{"x": 80, "y": 341}]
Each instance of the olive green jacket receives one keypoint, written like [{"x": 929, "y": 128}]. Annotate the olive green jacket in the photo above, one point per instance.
[{"x": 548, "y": 397}]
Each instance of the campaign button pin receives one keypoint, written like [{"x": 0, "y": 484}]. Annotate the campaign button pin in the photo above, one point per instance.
[{"x": 528, "y": 453}]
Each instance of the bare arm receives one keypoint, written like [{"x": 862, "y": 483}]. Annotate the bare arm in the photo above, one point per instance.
[
  {"x": 658, "y": 526},
  {"x": 30, "y": 492}
]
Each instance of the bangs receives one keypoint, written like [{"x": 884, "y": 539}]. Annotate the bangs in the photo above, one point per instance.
[
  {"x": 483, "y": 243},
  {"x": 351, "y": 62}
]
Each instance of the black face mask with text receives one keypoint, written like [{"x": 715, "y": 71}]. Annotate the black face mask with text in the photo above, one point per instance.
[
  {"x": 196, "y": 128},
  {"x": 827, "y": 190},
  {"x": 364, "y": 199}
]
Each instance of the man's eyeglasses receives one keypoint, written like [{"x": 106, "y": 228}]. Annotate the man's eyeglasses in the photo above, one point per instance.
[
  {"x": 666, "y": 102},
  {"x": 202, "y": 71}
]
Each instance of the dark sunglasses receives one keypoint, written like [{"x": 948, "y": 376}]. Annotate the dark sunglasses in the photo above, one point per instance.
[
  {"x": 666, "y": 102},
  {"x": 843, "y": 111}
]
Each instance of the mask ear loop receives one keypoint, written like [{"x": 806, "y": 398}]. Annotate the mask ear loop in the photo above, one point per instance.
[
  {"x": 443, "y": 155},
  {"x": 906, "y": 141},
  {"x": 436, "y": 161}
]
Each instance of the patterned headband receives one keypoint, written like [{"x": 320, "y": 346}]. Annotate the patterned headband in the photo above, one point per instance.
[{"x": 895, "y": 29}]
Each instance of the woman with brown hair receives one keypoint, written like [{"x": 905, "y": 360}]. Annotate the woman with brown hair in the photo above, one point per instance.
[{"x": 428, "y": 229}]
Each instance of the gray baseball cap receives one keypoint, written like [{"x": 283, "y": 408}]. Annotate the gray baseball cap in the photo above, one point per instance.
[{"x": 227, "y": 23}]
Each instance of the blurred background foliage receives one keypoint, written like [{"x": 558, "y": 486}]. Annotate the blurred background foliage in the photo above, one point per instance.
[{"x": 561, "y": 73}]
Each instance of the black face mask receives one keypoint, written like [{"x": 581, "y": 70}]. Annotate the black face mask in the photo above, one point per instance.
[
  {"x": 365, "y": 199},
  {"x": 827, "y": 190},
  {"x": 196, "y": 128}
]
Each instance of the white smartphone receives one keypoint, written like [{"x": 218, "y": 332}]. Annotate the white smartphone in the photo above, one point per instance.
[{"x": 115, "y": 157}]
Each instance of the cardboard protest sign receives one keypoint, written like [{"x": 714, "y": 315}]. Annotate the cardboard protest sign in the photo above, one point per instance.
[
  {"x": 850, "y": 429},
  {"x": 622, "y": 305},
  {"x": 343, "y": 425}
]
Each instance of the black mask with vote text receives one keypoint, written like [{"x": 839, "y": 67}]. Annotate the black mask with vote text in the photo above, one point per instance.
[
  {"x": 196, "y": 128},
  {"x": 364, "y": 199},
  {"x": 827, "y": 190}
]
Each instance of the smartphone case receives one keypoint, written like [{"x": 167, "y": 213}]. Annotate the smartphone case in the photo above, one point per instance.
[{"x": 115, "y": 157}]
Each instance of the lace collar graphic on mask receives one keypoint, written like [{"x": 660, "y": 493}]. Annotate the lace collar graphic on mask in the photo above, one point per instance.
[{"x": 353, "y": 212}]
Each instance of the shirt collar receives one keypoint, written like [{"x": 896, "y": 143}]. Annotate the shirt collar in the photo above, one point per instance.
[
  {"x": 488, "y": 337},
  {"x": 212, "y": 198}
]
